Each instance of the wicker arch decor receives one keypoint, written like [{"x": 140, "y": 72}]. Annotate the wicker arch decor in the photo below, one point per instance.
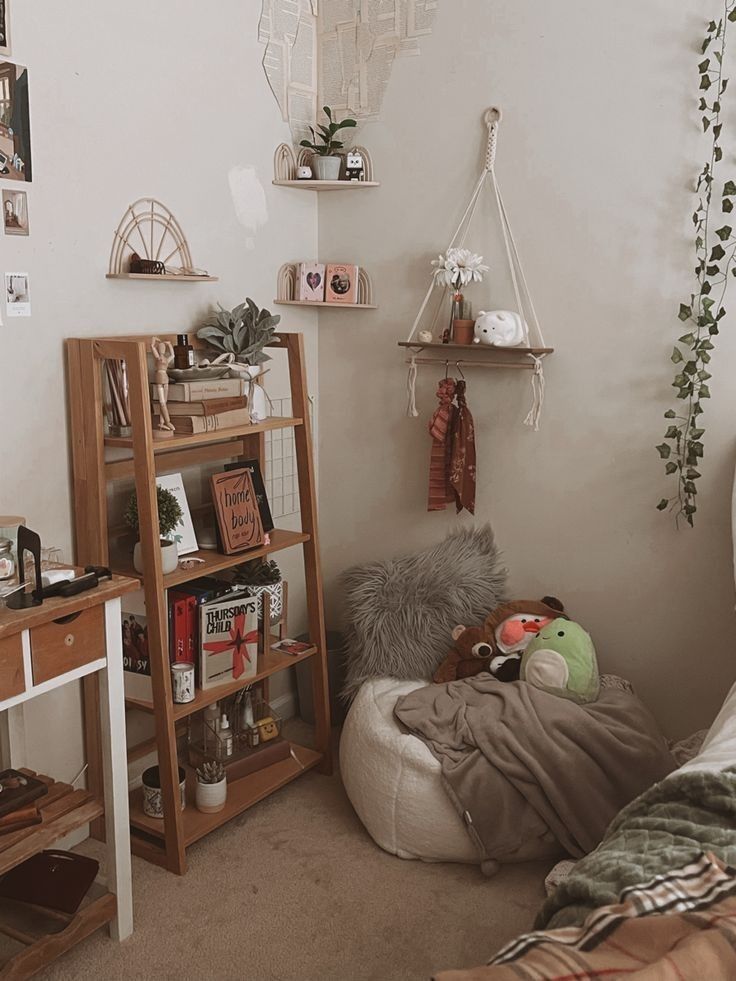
[{"x": 149, "y": 241}]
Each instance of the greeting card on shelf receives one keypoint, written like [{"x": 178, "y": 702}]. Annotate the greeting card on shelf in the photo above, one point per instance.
[
  {"x": 184, "y": 536},
  {"x": 312, "y": 282},
  {"x": 341, "y": 283},
  {"x": 236, "y": 507}
]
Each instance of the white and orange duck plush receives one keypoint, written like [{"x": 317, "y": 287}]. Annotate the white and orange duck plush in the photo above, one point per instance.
[{"x": 513, "y": 626}]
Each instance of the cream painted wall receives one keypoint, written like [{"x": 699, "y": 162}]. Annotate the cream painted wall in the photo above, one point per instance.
[
  {"x": 597, "y": 155},
  {"x": 166, "y": 99}
]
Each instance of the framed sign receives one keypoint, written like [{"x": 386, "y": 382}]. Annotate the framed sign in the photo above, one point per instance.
[{"x": 236, "y": 507}]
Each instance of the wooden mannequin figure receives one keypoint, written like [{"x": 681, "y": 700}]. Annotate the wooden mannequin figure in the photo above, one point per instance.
[{"x": 163, "y": 355}]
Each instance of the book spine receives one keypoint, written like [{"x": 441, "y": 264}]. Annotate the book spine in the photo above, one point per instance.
[{"x": 198, "y": 391}]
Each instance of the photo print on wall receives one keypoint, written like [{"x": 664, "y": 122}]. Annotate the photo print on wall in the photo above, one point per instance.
[
  {"x": 15, "y": 212},
  {"x": 15, "y": 123},
  {"x": 17, "y": 294}
]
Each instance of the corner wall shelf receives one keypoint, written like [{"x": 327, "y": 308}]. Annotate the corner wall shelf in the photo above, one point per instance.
[
  {"x": 287, "y": 290},
  {"x": 333, "y": 306},
  {"x": 312, "y": 185},
  {"x": 286, "y": 162}
]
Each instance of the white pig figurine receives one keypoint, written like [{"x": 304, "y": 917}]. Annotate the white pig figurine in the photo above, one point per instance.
[{"x": 502, "y": 328}]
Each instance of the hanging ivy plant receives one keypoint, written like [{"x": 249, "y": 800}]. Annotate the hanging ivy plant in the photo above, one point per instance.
[{"x": 715, "y": 245}]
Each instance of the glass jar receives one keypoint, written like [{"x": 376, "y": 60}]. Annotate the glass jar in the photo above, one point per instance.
[{"x": 7, "y": 562}]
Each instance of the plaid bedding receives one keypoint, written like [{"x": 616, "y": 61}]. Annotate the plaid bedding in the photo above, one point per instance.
[{"x": 678, "y": 926}]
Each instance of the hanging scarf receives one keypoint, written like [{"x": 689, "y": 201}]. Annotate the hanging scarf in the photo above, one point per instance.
[
  {"x": 440, "y": 491},
  {"x": 462, "y": 453}
]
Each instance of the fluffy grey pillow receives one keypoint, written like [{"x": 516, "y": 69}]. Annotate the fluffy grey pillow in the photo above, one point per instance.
[{"x": 399, "y": 614}]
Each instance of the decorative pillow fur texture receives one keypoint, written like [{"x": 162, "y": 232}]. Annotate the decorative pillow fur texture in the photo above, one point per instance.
[{"x": 399, "y": 614}]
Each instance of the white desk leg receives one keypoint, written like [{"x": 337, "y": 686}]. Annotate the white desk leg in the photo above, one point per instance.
[{"x": 115, "y": 770}]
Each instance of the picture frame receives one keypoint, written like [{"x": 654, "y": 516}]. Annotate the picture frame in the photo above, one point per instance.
[
  {"x": 5, "y": 40},
  {"x": 341, "y": 283},
  {"x": 312, "y": 282},
  {"x": 236, "y": 507},
  {"x": 184, "y": 534},
  {"x": 15, "y": 212},
  {"x": 15, "y": 133}
]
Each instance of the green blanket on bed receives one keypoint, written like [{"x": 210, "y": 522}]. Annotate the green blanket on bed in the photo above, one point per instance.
[{"x": 665, "y": 828}]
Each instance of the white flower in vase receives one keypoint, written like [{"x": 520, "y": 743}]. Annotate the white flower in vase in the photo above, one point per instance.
[{"x": 458, "y": 268}]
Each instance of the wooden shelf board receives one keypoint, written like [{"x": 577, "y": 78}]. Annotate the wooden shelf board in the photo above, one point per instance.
[
  {"x": 182, "y": 441},
  {"x": 217, "y": 562},
  {"x": 49, "y": 934},
  {"x": 332, "y": 306},
  {"x": 241, "y": 794},
  {"x": 312, "y": 185},
  {"x": 485, "y": 348},
  {"x": 268, "y": 664},
  {"x": 166, "y": 277},
  {"x": 63, "y": 810}
]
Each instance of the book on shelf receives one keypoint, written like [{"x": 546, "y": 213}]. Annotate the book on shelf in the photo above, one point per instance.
[
  {"x": 194, "y": 425},
  {"x": 136, "y": 658},
  {"x": 207, "y": 407},
  {"x": 228, "y": 631},
  {"x": 197, "y": 391}
]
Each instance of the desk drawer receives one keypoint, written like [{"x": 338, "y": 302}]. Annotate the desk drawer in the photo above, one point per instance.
[
  {"x": 59, "y": 647},
  {"x": 12, "y": 678}
]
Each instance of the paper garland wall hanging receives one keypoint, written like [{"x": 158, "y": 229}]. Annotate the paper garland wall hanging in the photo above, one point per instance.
[{"x": 533, "y": 349}]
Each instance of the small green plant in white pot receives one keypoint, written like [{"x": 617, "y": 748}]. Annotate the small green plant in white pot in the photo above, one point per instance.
[
  {"x": 260, "y": 576},
  {"x": 323, "y": 144},
  {"x": 211, "y": 788},
  {"x": 169, "y": 517}
]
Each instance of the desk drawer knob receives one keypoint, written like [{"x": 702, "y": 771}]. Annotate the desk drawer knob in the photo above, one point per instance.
[{"x": 69, "y": 640}]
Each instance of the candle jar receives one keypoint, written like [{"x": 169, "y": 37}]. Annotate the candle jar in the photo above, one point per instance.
[{"x": 7, "y": 562}]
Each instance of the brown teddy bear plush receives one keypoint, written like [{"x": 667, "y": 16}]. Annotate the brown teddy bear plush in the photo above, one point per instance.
[{"x": 471, "y": 654}]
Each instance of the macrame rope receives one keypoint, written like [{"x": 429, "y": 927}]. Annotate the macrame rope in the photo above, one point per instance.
[
  {"x": 538, "y": 383},
  {"x": 411, "y": 388}
]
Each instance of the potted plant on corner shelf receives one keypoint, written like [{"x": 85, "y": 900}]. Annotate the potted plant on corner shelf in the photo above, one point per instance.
[
  {"x": 243, "y": 332},
  {"x": 211, "y": 788},
  {"x": 260, "y": 576},
  {"x": 169, "y": 517},
  {"x": 326, "y": 161}
]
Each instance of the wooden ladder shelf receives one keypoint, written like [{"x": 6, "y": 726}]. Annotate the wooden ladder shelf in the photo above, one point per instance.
[{"x": 165, "y": 842}]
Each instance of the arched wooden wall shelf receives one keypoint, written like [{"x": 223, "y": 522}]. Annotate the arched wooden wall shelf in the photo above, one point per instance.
[
  {"x": 286, "y": 162},
  {"x": 287, "y": 290},
  {"x": 150, "y": 237}
]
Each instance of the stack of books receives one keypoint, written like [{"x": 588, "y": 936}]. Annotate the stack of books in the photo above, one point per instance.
[{"x": 205, "y": 406}]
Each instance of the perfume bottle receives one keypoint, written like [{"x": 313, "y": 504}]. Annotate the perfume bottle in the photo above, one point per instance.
[
  {"x": 183, "y": 352},
  {"x": 225, "y": 738}
]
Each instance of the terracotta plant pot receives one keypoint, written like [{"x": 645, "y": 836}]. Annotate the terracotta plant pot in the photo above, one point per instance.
[
  {"x": 463, "y": 331},
  {"x": 211, "y": 797},
  {"x": 169, "y": 557}
]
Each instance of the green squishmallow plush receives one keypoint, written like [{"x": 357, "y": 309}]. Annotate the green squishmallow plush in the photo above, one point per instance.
[{"x": 561, "y": 660}]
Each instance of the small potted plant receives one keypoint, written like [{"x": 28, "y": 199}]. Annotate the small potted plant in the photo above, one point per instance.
[
  {"x": 323, "y": 144},
  {"x": 169, "y": 517},
  {"x": 260, "y": 576},
  {"x": 211, "y": 788},
  {"x": 243, "y": 332}
]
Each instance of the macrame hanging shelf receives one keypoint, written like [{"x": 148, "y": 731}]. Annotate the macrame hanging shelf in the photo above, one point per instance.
[{"x": 528, "y": 356}]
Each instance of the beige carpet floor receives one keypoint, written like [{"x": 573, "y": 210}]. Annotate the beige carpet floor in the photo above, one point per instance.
[{"x": 296, "y": 889}]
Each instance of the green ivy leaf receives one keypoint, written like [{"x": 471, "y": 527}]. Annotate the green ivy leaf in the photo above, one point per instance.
[
  {"x": 705, "y": 83},
  {"x": 732, "y": 15},
  {"x": 712, "y": 270},
  {"x": 696, "y": 433},
  {"x": 689, "y": 487},
  {"x": 717, "y": 130},
  {"x": 670, "y": 467},
  {"x": 727, "y": 206},
  {"x": 717, "y": 153},
  {"x": 724, "y": 233},
  {"x": 686, "y": 312},
  {"x": 662, "y": 506},
  {"x": 664, "y": 450},
  {"x": 672, "y": 432},
  {"x": 692, "y": 473},
  {"x": 706, "y": 124},
  {"x": 676, "y": 356},
  {"x": 729, "y": 188},
  {"x": 717, "y": 252},
  {"x": 687, "y": 339},
  {"x": 670, "y": 414},
  {"x": 704, "y": 392},
  {"x": 703, "y": 66}
]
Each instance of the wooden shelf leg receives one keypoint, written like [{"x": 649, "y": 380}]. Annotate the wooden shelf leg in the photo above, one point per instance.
[
  {"x": 115, "y": 767},
  {"x": 312, "y": 567}
]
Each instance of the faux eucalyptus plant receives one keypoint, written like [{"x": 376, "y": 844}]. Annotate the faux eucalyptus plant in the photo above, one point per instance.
[
  {"x": 244, "y": 331},
  {"x": 715, "y": 247},
  {"x": 326, "y": 134}
]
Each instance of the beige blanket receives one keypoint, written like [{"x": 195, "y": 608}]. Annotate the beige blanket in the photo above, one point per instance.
[{"x": 518, "y": 762}]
